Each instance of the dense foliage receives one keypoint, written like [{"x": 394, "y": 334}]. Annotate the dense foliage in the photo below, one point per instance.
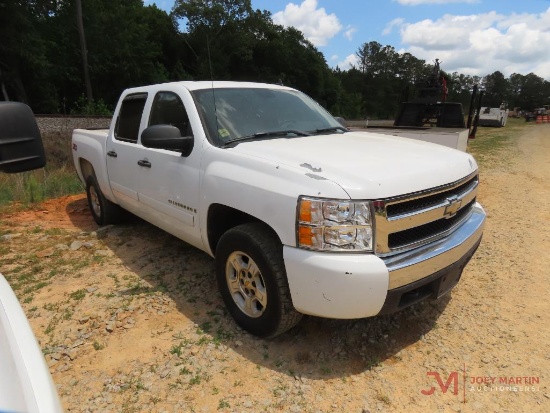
[{"x": 61, "y": 60}]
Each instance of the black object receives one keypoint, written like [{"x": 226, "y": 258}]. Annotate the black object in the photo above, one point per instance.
[
  {"x": 21, "y": 146},
  {"x": 441, "y": 114},
  {"x": 430, "y": 106}
]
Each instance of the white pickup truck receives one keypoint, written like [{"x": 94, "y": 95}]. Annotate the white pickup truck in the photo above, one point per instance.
[{"x": 301, "y": 215}]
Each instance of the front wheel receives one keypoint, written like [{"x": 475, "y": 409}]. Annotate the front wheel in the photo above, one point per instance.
[
  {"x": 103, "y": 211},
  {"x": 252, "y": 280}
]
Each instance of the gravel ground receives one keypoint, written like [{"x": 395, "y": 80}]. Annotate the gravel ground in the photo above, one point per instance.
[{"x": 130, "y": 320}]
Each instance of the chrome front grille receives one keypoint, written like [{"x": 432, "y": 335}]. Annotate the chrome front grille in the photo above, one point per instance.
[{"x": 407, "y": 222}]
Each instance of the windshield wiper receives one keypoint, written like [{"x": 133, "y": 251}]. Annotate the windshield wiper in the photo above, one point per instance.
[
  {"x": 260, "y": 135},
  {"x": 331, "y": 129}
]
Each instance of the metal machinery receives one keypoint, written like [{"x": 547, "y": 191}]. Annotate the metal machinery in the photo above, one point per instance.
[{"x": 431, "y": 108}]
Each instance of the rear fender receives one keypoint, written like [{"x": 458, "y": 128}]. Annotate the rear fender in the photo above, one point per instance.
[{"x": 89, "y": 158}]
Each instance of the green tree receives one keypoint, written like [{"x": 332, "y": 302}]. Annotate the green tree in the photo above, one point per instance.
[
  {"x": 23, "y": 62},
  {"x": 228, "y": 39},
  {"x": 496, "y": 89}
]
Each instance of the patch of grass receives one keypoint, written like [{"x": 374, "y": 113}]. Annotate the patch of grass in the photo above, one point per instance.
[
  {"x": 78, "y": 295},
  {"x": 51, "y": 326},
  {"x": 372, "y": 362},
  {"x": 196, "y": 379},
  {"x": 185, "y": 370},
  {"x": 68, "y": 313},
  {"x": 204, "y": 328},
  {"x": 490, "y": 141},
  {"x": 222, "y": 335},
  {"x": 383, "y": 398},
  {"x": 204, "y": 340},
  {"x": 176, "y": 349},
  {"x": 36, "y": 186},
  {"x": 98, "y": 346},
  {"x": 35, "y": 287}
]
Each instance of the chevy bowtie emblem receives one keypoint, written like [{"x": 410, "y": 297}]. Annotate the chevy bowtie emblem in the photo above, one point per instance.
[{"x": 453, "y": 206}]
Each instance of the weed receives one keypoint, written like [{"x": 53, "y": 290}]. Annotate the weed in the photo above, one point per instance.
[
  {"x": 222, "y": 335},
  {"x": 54, "y": 231},
  {"x": 177, "y": 384},
  {"x": 54, "y": 307},
  {"x": 98, "y": 346},
  {"x": 383, "y": 398},
  {"x": 372, "y": 362},
  {"x": 196, "y": 379},
  {"x": 68, "y": 313},
  {"x": 223, "y": 405},
  {"x": 176, "y": 349},
  {"x": 81, "y": 264},
  {"x": 204, "y": 340},
  {"x": 35, "y": 287},
  {"x": 204, "y": 328},
  {"x": 51, "y": 326},
  {"x": 78, "y": 295}
]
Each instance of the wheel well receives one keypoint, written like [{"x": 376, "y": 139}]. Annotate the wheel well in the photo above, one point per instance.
[
  {"x": 86, "y": 168},
  {"x": 222, "y": 218}
]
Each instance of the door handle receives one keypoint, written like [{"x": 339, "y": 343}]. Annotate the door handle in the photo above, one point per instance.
[
  {"x": 144, "y": 163},
  {"x": 112, "y": 154}
]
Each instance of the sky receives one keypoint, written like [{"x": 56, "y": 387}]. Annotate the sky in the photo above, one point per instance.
[{"x": 471, "y": 37}]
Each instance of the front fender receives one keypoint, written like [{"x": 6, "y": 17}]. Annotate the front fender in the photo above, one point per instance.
[{"x": 260, "y": 188}]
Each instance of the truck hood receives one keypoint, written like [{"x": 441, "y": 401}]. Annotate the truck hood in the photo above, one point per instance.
[{"x": 365, "y": 165}]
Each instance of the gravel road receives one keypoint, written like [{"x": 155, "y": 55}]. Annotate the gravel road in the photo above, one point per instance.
[{"x": 130, "y": 320}]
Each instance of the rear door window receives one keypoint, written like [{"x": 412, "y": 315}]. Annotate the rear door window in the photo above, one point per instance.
[{"x": 129, "y": 117}]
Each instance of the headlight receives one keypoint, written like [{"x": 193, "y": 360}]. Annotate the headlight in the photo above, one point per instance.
[{"x": 334, "y": 225}]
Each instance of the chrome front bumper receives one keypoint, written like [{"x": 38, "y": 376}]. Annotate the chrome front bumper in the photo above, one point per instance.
[{"x": 414, "y": 265}]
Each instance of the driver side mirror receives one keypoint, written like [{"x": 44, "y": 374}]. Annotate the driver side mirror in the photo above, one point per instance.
[
  {"x": 21, "y": 146},
  {"x": 167, "y": 137}
]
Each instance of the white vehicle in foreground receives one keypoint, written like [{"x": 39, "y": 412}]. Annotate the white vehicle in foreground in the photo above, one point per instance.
[
  {"x": 25, "y": 382},
  {"x": 301, "y": 215}
]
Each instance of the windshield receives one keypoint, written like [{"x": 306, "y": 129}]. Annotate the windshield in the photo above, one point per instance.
[{"x": 247, "y": 113}]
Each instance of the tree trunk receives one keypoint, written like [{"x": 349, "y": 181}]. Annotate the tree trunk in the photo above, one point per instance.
[
  {"x": 84, "y": 51},
  {"x": 3, "y": 87}
]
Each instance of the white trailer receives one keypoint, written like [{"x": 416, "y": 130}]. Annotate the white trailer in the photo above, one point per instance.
[{"x": 493, "y": 116}]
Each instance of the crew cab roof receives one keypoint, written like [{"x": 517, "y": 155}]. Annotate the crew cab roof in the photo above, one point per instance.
[{"x": 206, "y": 84}]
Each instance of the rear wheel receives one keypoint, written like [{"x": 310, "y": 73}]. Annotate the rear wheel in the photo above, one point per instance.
[
  {"x": 252, "y": 280},
  {"x": 103, "y": 211}
]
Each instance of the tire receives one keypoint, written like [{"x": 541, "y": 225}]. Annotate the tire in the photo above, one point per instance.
[
  {"x": 252, "y": 280},
  {"x": 103, "y": 211}
]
